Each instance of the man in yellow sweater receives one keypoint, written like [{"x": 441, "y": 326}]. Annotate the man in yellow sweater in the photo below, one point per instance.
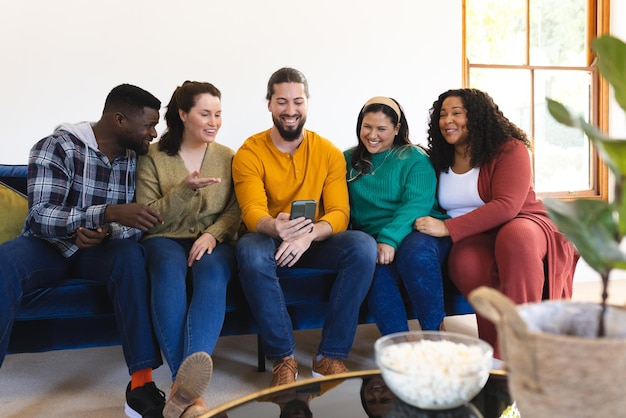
[{"x": 272, "y": 169}]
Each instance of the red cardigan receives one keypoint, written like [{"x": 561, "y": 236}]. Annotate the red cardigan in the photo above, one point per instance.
[{"x": 505, "y": 185}]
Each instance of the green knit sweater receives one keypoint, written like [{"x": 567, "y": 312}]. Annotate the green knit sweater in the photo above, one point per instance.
[
  {"x": 400, "y": 188},
  {"x": 187, "y": 214}
]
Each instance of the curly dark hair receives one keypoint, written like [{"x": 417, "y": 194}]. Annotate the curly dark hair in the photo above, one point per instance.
[
  {"x": 361, "y": 159},
  {"x": 183, "y": 98},
  {"x": 487, "y": 127}
]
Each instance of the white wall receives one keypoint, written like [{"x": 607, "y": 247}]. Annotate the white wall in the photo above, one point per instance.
[{"x": 60, "y": 58}]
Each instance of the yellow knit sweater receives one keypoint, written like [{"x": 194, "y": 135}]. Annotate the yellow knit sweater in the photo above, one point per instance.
[{"x": 268, "y": 180}]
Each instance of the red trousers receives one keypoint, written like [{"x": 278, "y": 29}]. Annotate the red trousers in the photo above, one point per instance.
[{"x": 509, "y": 259}]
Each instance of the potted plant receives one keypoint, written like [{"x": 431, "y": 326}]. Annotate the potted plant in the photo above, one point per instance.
[
  {"x": 597, "y": 227},
  {"x": 567, "y": 358}
]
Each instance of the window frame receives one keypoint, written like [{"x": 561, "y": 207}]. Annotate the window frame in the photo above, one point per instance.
[{"x": 598, "y": 23}]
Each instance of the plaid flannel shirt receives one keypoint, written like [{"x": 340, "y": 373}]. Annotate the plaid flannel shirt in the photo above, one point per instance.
[{"x": 70, "y": 185}]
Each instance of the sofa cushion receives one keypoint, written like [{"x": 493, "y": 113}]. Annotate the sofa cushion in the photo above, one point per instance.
[
  {"x": 14, "y": 176},
  {"x": 14, "y": 210}
]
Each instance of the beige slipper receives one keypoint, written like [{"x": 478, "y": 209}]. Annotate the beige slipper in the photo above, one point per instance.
[
  {"x": 194, "y": 411},
  {"x": 192, "y": 380}
]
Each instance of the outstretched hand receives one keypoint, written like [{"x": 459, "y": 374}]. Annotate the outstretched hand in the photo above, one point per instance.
[{"x": 195, "y": 182}]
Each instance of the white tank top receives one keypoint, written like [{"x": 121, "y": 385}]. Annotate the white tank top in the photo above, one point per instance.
[{"x": 458, "y": 193}]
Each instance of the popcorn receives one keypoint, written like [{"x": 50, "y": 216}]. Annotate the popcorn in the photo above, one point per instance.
[{"x": 434, "y": 374}]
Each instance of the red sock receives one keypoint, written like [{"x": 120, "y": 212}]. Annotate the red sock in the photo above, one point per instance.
[{"x": 140, "y": 378}]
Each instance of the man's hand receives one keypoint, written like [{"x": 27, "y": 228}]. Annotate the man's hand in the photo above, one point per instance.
[
  {"x": 289, "y": 252},
  {"x": 134, "y": 215},
  {"x": 296, "y": 235},
  {"x": 292, "y": 229},
  {"x": 87, "y": 238},
  {"x": 284, "y": 228},
  {"x": 302, "y": 232}
]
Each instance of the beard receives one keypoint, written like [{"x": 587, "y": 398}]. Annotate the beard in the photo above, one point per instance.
[
  {"x": 290, "y": 134},
  {"x": 140, "y": 148}
]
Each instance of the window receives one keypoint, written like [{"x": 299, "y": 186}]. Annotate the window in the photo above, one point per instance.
[{"x": 522, "y": 51}]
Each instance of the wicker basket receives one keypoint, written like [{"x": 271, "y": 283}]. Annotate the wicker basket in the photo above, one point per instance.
[{"x": 556, "y": 365}]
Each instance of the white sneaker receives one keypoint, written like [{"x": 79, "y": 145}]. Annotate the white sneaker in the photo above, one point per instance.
[{"x": 497, "y": 364}]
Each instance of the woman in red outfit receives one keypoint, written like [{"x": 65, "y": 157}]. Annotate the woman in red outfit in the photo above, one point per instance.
[{"x": 502, "y": 236}]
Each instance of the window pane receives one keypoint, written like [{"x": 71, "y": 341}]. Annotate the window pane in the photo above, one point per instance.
[
  {"x": 496, "y": 31},
  {"x": 510, "y": 89},
  {"x": 558, "y": 30},
  {"x": 562, "y": 161}
]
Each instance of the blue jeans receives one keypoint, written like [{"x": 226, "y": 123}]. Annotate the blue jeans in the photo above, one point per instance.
[
  {"x": 416, "y": 269},
  {"x": 188, "y": 303},
  {"x": 351, "y": 253},
  {"x": 28, "y": 263}
]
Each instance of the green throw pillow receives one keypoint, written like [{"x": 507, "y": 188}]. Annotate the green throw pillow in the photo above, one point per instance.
[{"x": 13, "y": 211}]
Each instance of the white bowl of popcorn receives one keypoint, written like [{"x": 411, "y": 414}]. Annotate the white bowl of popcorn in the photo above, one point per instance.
[{"x": 434, "y": 370}]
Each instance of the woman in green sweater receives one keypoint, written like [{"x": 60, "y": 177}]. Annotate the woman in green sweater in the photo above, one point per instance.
[
  {"x": 186, "y": 176},
  {"x": 391, "y": 183}
]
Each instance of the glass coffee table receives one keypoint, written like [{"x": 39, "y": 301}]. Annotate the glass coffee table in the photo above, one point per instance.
[{"x": 359, "y": 394}]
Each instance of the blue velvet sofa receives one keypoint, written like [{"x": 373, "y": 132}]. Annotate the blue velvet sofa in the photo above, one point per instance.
[{"x": 77, "y": 313}]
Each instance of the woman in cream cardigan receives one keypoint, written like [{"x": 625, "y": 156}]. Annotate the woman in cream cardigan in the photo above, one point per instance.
[{"x": 186, "y": 176}]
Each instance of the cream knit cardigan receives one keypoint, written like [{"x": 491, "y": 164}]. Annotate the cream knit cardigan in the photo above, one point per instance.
[{"x": 188, "y": 213}]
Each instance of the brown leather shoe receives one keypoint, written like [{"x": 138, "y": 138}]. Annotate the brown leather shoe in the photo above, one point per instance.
[
  {"x": 328, "y": 366},
  {"x": 284, "y": 371}
]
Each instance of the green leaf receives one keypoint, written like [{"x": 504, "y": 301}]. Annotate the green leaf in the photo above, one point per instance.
[
  {"x": 562, "y": 113},
  {"x": 591, "y": 227},
  {"x": 612, "y": 151},
  {"x": 611, "y": 54},
  {"x": 619, "y": 202},
  {"x": 596, "y": 227}
]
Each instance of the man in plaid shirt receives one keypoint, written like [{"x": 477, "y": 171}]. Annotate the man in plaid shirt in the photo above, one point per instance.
[{"x": 83, "y": 222}]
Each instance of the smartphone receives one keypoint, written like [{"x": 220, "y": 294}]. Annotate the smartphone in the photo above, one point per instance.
[{"x": 304, "y": 208}]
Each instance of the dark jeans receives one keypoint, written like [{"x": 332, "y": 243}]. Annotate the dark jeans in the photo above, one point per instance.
[
  {"x": 352, "y": 253},
  {"x": 28, "y": 263},
  {"x": 188, "y": 303},
  {"x": 416, "y": 268}
]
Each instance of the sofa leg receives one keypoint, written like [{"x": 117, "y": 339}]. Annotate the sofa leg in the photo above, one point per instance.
[{"x": 260, "y": 355}]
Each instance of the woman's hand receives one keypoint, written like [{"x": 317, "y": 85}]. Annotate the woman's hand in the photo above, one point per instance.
[
  {"x": 195, "y": 182},
  {"x": 205, "y": 244},
  {"x": 431, "y": 226},
  {"x": 386, "y": 254}
]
